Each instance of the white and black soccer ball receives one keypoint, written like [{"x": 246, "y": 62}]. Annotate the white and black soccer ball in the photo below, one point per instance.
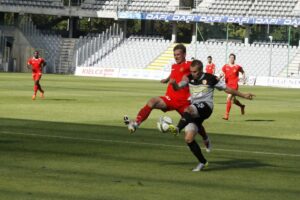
[{"x": 164, "y": 123}]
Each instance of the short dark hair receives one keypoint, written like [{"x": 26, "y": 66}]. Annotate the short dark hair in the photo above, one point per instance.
[
  {"x": 209, "y": 57},
  {"x": 232, "y": 54},
  {"x": 197, "y": 63},
  {"x": 180, "y": 47}
]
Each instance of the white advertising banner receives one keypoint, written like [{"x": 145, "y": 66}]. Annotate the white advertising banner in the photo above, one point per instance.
[
  {"x": 97, "y": 72},
  {"x": 143, "y": 74},
  {"x": 160, "y": 74},
  {"x": 122, "y": 73},
  {"x": 278, "y": 82}
]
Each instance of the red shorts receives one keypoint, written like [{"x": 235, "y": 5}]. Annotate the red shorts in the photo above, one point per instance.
[
  {"x": 172, "y": 104},
  {"x": 233, "y": 86},
  {"x": 36, "y": 76}
]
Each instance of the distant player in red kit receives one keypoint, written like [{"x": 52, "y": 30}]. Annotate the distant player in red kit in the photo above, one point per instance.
[
  {"x": 36, "y": 64},
  {"x": 231, "y": 73},
  {"x": 173, "y": 100},
  {"x": 210, "y": 66}
]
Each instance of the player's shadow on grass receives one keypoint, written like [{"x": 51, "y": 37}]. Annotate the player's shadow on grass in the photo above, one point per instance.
[
  {"x": 260, "y": 120},
  {"x": 235, "y": 164},
  {"x": 7, "y": 141}
]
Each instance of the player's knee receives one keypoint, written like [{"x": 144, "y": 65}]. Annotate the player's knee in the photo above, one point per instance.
[
  {"x": 189, "y": 137},
  {"x": 151, "y": 103},
  {"x": 190, "y": 131}
]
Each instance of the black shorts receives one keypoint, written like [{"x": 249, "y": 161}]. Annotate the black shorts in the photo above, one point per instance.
[{"x": 204, "y": 111}]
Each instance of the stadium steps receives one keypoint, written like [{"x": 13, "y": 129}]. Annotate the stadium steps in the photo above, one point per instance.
[
  {"x": 293, "y": 68},
  {"x": 66, "y": 56},
  {"x": 163, "y": 59}
]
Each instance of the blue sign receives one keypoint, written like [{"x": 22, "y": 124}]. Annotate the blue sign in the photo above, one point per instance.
[{"x": 209, "y": 19}]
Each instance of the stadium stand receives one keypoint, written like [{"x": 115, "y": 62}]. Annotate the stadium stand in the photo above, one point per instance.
[
  {"x": 255, "y": 8},
  {"x": 228, "y": 7},
  {"x": 99, "y": 4},
  {"x": 254, "y": 58},
  {"x": 129, "y": 5},
  {"x": 49, "y": 43},
  {"x": 134, "y": 52},
  {"x": 91, "y": 50},
  {"x": 274, "y": 8},
  {"x": 34, "y": 3},
  {"x": 150, "y": 6}
]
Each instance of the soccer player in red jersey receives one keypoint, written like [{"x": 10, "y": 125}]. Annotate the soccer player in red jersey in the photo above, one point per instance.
[
  {"x": 36, "y": 64},
  {"x": 231, "y": 73},
  {"x": 173, "y": 100},
  {"x": 210, "y": 67}
]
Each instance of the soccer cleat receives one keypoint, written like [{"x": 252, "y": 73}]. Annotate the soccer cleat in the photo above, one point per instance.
[
  {"x": 126, "y": 120},
  {"x": 173, "y": 130},
  {"x": 226, "y": 117},
  {"x": 33, "y": 97},
  {"x": 131, "y": 125},
  {"x": 243, "y": 109},
  {"x": 207, "y": 144},
  {"x": 200, "y": 167}
]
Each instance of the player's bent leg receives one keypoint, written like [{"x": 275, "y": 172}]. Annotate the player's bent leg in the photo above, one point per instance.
[
  {"x": 153, "y": 103},
  {"x": 194, "y": 147},
  {"x": 228, "y": 106},
  {"x": 238, "y": 103},
  {"x": 143, "y": 114},
  {"x": 206, "y": 140}
]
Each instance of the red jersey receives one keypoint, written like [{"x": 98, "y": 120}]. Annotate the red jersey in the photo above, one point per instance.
[
  {"x": 231, "y": 75},
  {"x": 37, "y": 64},
  {"x": 177, "y": 73},
  {"x": 210, "y": 68}
]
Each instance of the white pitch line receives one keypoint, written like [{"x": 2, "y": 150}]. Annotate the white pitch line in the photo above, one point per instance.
[{"x": 146, "y": 143}]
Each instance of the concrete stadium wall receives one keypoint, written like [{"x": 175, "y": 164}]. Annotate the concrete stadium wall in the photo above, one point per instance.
[{"x": 21, "y": 48}]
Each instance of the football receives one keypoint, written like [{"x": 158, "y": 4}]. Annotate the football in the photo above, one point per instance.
[{"x": 164, "y": 123}]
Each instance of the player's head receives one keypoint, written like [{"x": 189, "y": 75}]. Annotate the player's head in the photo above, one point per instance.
[
  {"x": 36, "y": 54},
  {"x": 179, "y": 53},
  {"x": 196, "y": 68},
  {"x": 209, "y": 59},
  {"x": 232, "y": 58}
]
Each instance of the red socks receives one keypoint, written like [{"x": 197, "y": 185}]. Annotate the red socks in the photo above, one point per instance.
[
  {"x": 35, "y": 89},
  {"x": 143, "y": 114},
  {"x": 228, "y": 106}
]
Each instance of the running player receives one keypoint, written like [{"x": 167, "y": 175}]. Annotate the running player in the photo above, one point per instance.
[
  {"x": 210, "y": 66},
  {"x": 173, "y": 100},
  {"x": 231, "y": 72},
  {"x": 201, "y": 87},
  {"x": 36, "y": 64}
]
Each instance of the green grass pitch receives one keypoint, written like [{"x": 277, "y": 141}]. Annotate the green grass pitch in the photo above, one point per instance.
[{"x": 73, "y": 145}]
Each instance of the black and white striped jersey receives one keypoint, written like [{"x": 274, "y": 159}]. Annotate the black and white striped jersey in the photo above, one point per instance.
[{"x": 202, "y": 89}]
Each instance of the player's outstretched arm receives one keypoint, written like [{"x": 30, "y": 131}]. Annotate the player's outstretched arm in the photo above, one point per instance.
[
  {"x": 166, "y": 80},
  {"x": 181, "y": 84},
  {"x": 240, "y": 94}
]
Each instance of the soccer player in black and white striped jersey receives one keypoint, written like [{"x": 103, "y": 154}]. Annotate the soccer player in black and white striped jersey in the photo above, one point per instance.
[{"x": 201, "y": 87}]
